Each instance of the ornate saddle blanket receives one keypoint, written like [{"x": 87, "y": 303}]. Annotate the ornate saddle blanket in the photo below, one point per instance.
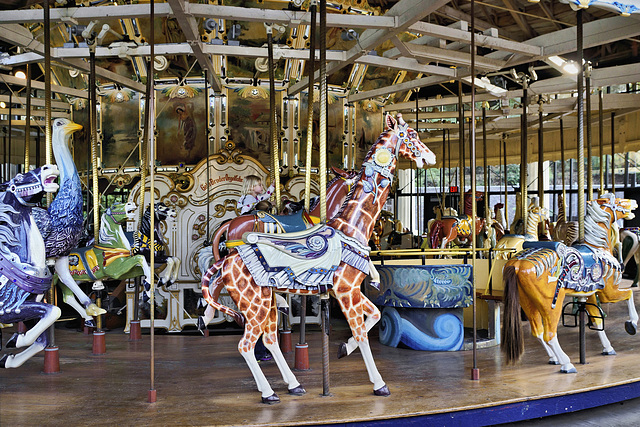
[
  {"x": 303, "y": 260},
  {"x": 24, "y": 276},
  {"x": 283, "y": 223}
]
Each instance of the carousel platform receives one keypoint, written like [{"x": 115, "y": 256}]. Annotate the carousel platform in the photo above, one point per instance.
[{"x": 204, "y": 381}]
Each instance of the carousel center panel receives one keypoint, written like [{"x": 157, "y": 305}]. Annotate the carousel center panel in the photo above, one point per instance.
[{"x": 203, "y": 201}]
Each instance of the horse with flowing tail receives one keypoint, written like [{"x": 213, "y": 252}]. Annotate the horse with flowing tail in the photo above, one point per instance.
[
  {"x": 24, "y": 274},
  {"x": 329, "y": 258},
  {"x": 61, "y": 224},
  {"x": 110, "y": 257},
  {"x": 144, "y": 240},
  {"x": 540, "y": 277},
  {"x": 337, "y": 191}
]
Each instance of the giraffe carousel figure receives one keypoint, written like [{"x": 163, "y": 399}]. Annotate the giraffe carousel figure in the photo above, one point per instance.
[{"x": 328, "y": 258}]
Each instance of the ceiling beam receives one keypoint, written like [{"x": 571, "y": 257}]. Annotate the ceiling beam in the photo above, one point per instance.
[
  {"x": 453, "y": 57},
  {"x": 20, "y": 36},
  {"x": 408, "y": 64},
  {"x": 414, "y": 84},
  {"x": 6, "y": 78},
  {"x": 522, "y": 23},
  {"x": 189, "y": 28},
  {"x": 406, "y": 13}
]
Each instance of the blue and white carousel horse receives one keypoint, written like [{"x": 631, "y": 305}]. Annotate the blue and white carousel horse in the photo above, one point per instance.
[
  {"x": 24, "y": 275},
  {"x": 61, "y": 224}
]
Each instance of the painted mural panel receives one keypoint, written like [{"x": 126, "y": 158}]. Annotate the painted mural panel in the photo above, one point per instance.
[
  {"x": 249, "y": 122},
  {"x": 181, "y": 123},
  {"x": 120, "y": 130}
]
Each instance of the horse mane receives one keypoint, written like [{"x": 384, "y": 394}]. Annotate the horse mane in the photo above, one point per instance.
[
  {"x": 317, "y": 200},
  {"x": 595, "y": 234},
  {"x": 7, "y": 226},
  {"x": 107, "y": 235}
]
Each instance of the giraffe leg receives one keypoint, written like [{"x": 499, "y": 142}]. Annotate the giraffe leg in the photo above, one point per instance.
[
  {"x": 351, "y": 302},
  {"x": 373, "y": 317},
  {"x": 270, "y": 339}
]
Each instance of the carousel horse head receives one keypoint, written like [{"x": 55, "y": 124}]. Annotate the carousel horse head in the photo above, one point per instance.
[
  {"x": 27, "y": 188},
  {"x": 164, "y": 212},
  {"x": 618, "y": 207},
  {"x": 408, "y": 144}
]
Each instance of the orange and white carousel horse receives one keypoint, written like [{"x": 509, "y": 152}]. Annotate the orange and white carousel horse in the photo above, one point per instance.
[
  {"x": 540, "y": 277},
  {"x": 331, "y": 258}
]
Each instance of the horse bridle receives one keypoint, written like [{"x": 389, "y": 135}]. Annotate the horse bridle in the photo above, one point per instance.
[{"x": 23, "y": 190}]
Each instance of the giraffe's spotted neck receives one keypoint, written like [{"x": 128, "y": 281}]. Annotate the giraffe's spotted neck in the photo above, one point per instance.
[{"x": 363, "y": 205}]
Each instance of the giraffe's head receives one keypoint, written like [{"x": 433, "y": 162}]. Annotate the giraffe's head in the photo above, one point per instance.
[{"x": 409, "y": 144}]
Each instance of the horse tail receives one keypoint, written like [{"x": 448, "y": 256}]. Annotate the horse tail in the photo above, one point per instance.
[
  {"x": 212, "y": 297},
  {"x": 434, "y": 234},
  {"x": 215, "y": 241},
  {"x": 512, "y": 336}
]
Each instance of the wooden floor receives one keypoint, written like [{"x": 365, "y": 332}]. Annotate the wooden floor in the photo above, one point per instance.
[{"x": 204, "y": 381}]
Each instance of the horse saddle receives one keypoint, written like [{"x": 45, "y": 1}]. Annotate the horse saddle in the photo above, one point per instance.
[
  {"x": 302, "y": 260},
  {"x": 284, "y": 223},
  {"x": 583, "y": 268},
  {"x": 542, "y": 244}
]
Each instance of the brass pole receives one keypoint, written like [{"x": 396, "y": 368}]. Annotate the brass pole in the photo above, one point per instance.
[
  {"x": 601, "y": 137},
  {"x": 580, "y": 136},
  {"x": 475, "y": 371},
  {"x": 27, "y": 124},
  {"x": 275, "y": 149}
]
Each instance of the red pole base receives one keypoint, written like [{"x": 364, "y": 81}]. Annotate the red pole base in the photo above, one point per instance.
[
  {"x": 153, "y": 396},
  {"x": 285, "y": 342},
  {"x": 99, "y": 344},
  {"x": 135, "y": 332},
  {"x": 22, "y": 328},
  {"x": 51, "y": 360},
  {"x": 302, "y": 357},
  {"x": 475, "y": 374},
  {"x": 206, "y": 332}
]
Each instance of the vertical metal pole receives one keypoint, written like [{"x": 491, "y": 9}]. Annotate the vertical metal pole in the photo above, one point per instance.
[
  {"x": 7, "y": 151},
  {"x": 541, "y": 154},
  {"x": 150, "y": 121},
  {"x": 323, "y": 182},
  {"x": 475, "y": 371},
  {"x": 38, "y": 147},
  {"x": 47, "y": 126},
  {"x": 506, "y": 189},
  {"x": 524, "y": 151},
  {"x": 580, "y": 137},
  {"x": 27, "y": 124},
  {"x": 589, "y": 139},
  {"x": 601, "y": 138},
  {"x": 275, "y": 146},
  {"x": 562, "y": 161},
  {"x": 613, "y": 153},
  {"x": 207, "y": 242},
  {"x": 461, "y": 162}
]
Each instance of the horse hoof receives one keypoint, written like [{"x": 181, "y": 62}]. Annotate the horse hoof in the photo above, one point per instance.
[
  {"x": 90, "y": 323},
  {"x": 270, "y": 400},
  {"x": 382, "y": 391},
  {"x": 609, "y": 353},
  {"x": 3, "y": 361},
  {"x": 630, "y": 327},
  {"x": 13, "y": 341},
  {"x": 553, "y": 362},
  {"x": 94, "y": 310},
  {"x": 571, "y": 370},
  {"x": 297, "y": 391},
  {"x": 342, "y": 350}
]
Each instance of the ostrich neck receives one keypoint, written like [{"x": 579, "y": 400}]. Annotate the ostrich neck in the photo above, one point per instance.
[{"x": 64, "y": 161}]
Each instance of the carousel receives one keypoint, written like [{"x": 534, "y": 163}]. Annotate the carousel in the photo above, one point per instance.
[{"x": 194, "y": 188}]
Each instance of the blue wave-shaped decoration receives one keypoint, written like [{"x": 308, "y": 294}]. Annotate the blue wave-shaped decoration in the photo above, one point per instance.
[
  {"x": 424, "y": 286},
  {"x": 448, "y": 328}
]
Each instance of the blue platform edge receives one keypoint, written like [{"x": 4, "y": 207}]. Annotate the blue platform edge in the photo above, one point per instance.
[
  {"x": 423, "y": 286},
  {"x": 512, "y": 412}
]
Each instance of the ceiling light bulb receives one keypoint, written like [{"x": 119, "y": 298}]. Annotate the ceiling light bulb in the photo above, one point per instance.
[
  {"x": 21, "y": 75},
  {"x": 571, "y": 68}
]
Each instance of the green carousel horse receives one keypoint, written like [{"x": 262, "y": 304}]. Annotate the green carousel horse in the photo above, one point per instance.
[{"x": 110, "y": 257}]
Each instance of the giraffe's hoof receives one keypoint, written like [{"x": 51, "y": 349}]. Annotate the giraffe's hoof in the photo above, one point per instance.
[
  {"x": 200, "y": 324},
  {"x": 13, "y": 341},
  {"x": 342, "y": 350},
  {"x": 270, "y": 400},
  {"x": 297, "y": 391},
  {"x": 382, "y": 391},
  {"x": 630, "y": 327},
  {"x": 612, "y": 352},
  {"x": 3, "y": 361},
  {"x": 90, "y": 323}
]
